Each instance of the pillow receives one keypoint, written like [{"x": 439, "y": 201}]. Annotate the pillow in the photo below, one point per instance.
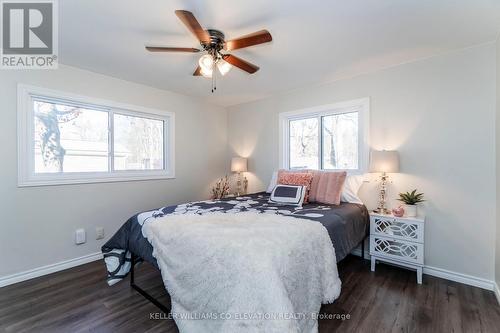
[
  {"x": 288, "y": 195},
  {"x": 273, "y": 182},
  {"x": 351, "y": 189},
  {"x": 296, "y": 178},
  {"x": 274, "y": 178},
  {"x": 329, "y": 187},
  {"x": 313, "y": 193}
]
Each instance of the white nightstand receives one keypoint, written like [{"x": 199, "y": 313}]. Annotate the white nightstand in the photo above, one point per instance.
[{"x": 397, "y": 240}]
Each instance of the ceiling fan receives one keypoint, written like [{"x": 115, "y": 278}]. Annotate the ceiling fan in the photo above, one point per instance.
[{"x": 213, "y": 42}]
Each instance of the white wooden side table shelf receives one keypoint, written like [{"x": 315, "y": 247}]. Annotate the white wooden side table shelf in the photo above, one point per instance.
[{"x": 398, "y": 241}]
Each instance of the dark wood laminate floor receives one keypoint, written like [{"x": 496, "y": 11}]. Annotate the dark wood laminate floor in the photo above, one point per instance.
[{"x": 389, "y": 300}]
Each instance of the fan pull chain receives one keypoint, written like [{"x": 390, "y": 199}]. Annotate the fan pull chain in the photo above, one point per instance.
[
  {"x": 214, "y": 79},
  {"x": 213, "y": 76}
]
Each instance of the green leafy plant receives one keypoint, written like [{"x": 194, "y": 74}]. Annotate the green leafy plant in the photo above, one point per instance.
[{"x": 411, "y": 198}]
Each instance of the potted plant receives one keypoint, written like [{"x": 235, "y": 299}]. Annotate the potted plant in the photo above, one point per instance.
[{"x": 411, "y": 199}]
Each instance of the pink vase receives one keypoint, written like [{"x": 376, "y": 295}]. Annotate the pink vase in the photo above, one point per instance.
[{"x": 398, "y": 212}]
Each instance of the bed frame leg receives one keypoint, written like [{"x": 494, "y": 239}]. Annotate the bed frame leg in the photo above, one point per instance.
[
  {"x": 363, "y": 248},
  {"x": 132, "y": 266},
  {"x": 141, "y": 291}
]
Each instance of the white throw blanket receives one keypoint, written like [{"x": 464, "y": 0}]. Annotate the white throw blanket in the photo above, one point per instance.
[{"x": 244, "y": 272}]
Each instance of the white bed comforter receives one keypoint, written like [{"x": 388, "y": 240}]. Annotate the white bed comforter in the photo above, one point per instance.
[{"x": 245, "y": 272}]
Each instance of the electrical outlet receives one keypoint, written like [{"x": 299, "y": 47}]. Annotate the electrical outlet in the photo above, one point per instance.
[
  {"x": 80, "y": 236},
  {"x": 99, "y": 233}
]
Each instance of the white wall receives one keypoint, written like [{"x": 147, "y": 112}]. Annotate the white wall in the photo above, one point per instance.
[
  {"x": 37, "y": 223},
  {"x": 497, "y": 253},
  {"x": 439, "y": 113}
]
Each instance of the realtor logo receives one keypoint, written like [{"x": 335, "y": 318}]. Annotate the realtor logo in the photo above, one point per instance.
[{"x": 29, "y": 34}]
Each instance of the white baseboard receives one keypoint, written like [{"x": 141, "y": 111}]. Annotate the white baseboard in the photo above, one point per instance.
[
  {"x": 497, "y": 292},
  {"x": 433, "y": 271},
  {"x": 357, "y": 252},
  {"x": 459, "y": 277},
  {"x": 450, "y": 275},
  {"x": 44, "y": 270}
]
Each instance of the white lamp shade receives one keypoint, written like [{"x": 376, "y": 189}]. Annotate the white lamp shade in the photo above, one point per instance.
[
  {"x": 384, "y": 161},
  {"x": 206, "y": 73},
  {"x": 224, "y": 67},
  {"x": 238, "y": 164},
  {"x": 206, "y": 62}
]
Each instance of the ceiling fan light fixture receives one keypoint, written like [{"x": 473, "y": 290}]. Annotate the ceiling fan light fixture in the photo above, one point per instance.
[
  {"x": 212, "y": 42},
  {"x": 206, "y": 73},
  {"x": 224, "y": 67},
  {"x": 206, "y": 63}
]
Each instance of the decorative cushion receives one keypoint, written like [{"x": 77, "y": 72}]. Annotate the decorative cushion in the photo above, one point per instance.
[
  {"x": 273, "y": 182},
  {"x": 274, "y": 178},
  {"x": 351, "y": 188},
  {"x": 296, "y": 178},
  {"x": 313, "y": 193},
  {"x": 328, "y": 187},
  {"x": 288, "y": 195}
]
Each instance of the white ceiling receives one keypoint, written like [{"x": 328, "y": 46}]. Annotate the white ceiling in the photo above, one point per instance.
[{"x": 313, "y": 41}]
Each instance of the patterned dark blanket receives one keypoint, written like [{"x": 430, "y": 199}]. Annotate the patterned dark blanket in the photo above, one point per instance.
[{"x": 347, "y": 225}]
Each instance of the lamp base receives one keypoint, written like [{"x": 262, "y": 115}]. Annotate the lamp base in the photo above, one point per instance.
[
  {"x": 381, "y": 209},
  {"x": 238, "y": 185},
  {"x": 384, "y": 211}
]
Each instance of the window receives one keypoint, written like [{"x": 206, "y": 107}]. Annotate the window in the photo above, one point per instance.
[
  {"x": 65, "y": 139},
  {"x": 330, "y": 137},
  {"x": 304, "y": 143},
  {"x": 138, "y": 143}
]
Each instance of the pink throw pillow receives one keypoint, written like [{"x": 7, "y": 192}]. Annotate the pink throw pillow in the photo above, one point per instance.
[
  {"x": 296, "y": 178},
  {"x": 313, "y": 194},
  {"x": 328, "y": 187}
]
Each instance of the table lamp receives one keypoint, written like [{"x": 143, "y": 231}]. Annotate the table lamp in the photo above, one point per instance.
[
  {"x": 239, "y": 165},
  {"x": 384, "y": 161}
]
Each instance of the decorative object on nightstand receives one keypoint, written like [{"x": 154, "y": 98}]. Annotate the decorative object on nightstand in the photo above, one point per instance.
[
  {"x": 221, "y": 188},
  {"x": 411, "y": 199},
  {"x": 245, "y": 185},
  {"x": 384, "y": 161},
  {"x": 398, "y": 212},
  {"x": 239, "y": 165},
  {"x": 397, "y": 240}
]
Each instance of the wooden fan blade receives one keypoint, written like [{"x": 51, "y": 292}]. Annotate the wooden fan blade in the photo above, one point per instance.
[
  {"x": 192, "y": 24},
  {"x": 241, "y": 64},
  {"x": 171, "y": 49},
  {"x": 259, "y": 37},
  {"x": 197, "y": 72}
]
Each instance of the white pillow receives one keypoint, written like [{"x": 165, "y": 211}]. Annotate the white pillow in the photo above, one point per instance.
[
  {"x": 351, "y": 189},
  {"x": 273, "y": 182},
  {"x": 288, "y": 194}
]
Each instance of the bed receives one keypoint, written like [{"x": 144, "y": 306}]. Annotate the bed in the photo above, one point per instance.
[{"x": 347, "y": 226}]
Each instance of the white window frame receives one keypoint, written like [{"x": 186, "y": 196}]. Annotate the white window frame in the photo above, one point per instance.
[
  {"x": 362, "y": 106},
  {"x": 25, "y": 137}
]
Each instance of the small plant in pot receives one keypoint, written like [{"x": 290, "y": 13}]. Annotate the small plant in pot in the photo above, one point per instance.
[{"x": 411, "y": 199}]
